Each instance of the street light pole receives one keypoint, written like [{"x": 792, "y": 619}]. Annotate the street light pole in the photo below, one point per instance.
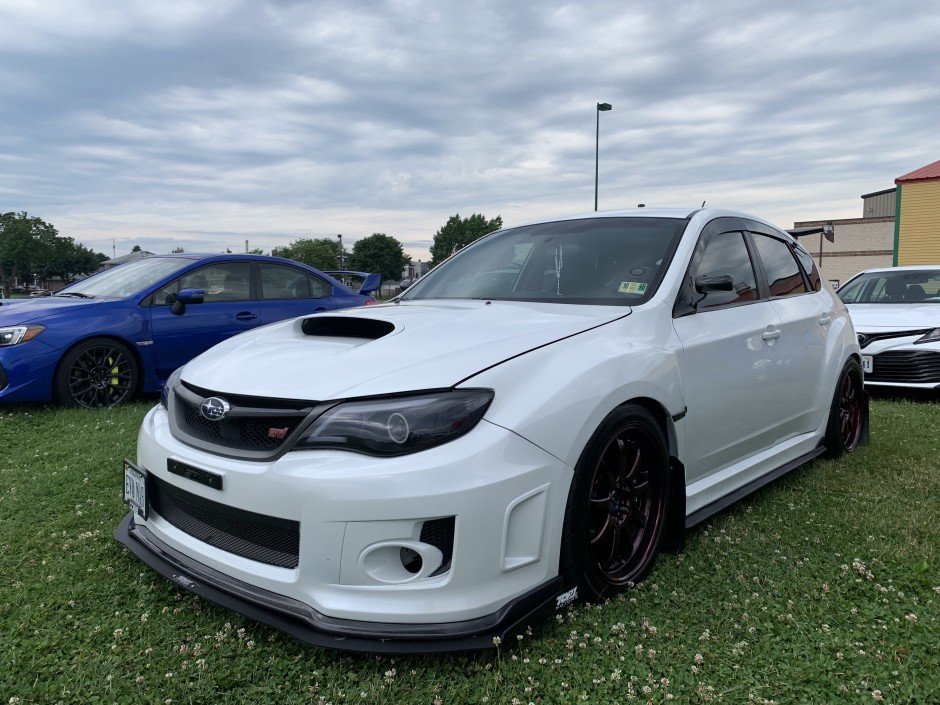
[{"x": 601, "y": 107}]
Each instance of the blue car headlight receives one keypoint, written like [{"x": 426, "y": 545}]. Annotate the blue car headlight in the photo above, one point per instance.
[
  {"x": 399, "y": 425},
  {"x": 14, "y": 335}
]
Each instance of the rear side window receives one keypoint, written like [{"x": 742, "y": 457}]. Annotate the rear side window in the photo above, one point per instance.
[
  {"x": 783, "y": 273},
  {"x": 809, "y": 267},
  {"x": 279, "y": 281}
]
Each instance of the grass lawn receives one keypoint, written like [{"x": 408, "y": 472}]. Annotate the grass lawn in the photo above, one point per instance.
[{"x": 822, "y": 588}]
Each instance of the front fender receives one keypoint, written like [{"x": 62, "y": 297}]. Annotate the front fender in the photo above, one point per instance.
[{"x": 557, "y": 404}]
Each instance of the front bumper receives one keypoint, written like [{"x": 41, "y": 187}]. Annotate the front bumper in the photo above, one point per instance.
[
  {"x": 339, "y": 579},
  {"x": 898, "y": 362},
  {"x": 306, "y": 624},
  {"x": 26, "y": 372}
]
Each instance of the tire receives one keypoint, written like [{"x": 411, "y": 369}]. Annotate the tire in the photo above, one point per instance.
[
  {"x": 96, "y": 373},
  {"x": 617, "y": 505},
  {"x": 846, "y": 414}
]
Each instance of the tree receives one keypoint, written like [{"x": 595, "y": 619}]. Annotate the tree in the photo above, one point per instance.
[
  {"x": 177, "y": 251},
  {"x": 379, "y": 253},
  {"x": 322, "y": 253},
  {"x": 459, "y": 232},
  {"x": 135, "y": 248},
  {"x": 31, "y": 246},
  {"x": 24, "y": 243},
  {"x": 67, "y": 259}
]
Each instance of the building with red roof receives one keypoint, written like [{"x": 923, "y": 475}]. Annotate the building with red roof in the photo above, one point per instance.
[{"x": 917, "y": 226}]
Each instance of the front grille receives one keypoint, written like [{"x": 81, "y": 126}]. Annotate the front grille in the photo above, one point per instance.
[
  {"x": 258, "y": 537},
  {"x": 251, "y": 428},
  {"x": 263, "y": 433},
  {"x": 906, "y": 367},
  {"x": 866, "y": 339}
]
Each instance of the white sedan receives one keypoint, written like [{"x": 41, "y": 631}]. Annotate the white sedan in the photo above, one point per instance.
[
  {"x": 527, "y": 425},
  {"x": 896, "y": 311}
]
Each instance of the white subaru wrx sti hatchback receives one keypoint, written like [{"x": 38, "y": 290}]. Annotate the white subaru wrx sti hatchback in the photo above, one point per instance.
[{"x": 526, "y": 425}]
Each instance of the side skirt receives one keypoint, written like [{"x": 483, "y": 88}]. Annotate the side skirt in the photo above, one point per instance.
[{"x": 729, "y": 499}]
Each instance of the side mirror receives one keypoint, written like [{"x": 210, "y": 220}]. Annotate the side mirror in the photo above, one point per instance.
[
  {"x": 714, "y": 283},
  {"x": 371, "y": 284},
  {"x": 187, "y": 296}
]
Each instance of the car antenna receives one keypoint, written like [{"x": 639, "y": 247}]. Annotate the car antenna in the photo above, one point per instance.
[{"x": 703, "y": 204}]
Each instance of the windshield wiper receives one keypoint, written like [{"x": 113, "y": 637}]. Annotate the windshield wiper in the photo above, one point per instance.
[{"x": 76, "y": 294}]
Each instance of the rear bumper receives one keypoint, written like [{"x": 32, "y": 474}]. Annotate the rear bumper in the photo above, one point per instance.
[{"x": 307, "y": 625}]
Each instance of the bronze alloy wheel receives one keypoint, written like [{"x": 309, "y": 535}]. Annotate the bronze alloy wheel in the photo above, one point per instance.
[
  {"x": 846, "y": 414},
  {"x": 617, "y": 509}
]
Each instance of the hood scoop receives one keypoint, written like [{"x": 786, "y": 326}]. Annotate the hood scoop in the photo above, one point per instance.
[{"x": 340, "y": 327}]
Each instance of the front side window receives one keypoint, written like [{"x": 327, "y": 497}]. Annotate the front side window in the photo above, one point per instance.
[
  {"x": 225, "y": 281},
  {"x": 727, "y": 254},
  {"x": 599, "y": 261},
  {"x": 784, "y": 277},
  {"x": 280, "y": 281}
]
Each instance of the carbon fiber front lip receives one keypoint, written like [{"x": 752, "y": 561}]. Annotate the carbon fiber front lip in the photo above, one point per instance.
[{"x": 307, "y": 625}]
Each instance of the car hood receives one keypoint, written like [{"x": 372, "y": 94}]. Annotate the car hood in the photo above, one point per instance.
[
  {"x": 894, "y": 316},
  {"x": 16, "y": 311},
  {"x": 404, "y": 347}
]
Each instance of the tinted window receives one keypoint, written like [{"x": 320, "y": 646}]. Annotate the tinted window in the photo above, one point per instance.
[
  {"x": 809, "y": 267},
  {"x": 783, "y": 273},
  {"x": 280, "y": 281},
  {"x": 725, "y": 254}
]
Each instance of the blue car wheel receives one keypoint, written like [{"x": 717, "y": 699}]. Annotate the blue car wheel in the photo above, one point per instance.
[{"x": 95, "y": 374}]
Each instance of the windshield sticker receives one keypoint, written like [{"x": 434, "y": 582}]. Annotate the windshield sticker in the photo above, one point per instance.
[{"x": 632, "y": 288}]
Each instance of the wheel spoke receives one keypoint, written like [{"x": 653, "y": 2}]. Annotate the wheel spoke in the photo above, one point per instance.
[
  {"x": 100, "y": 376},
  {"x": 626, "y": 504}
]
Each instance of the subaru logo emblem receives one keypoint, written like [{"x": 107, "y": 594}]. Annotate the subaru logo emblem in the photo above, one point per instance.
[{"x": 214, "y": 408}]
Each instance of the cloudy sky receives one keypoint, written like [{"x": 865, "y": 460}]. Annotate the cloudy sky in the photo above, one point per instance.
[{"x": 205, "y": 123}]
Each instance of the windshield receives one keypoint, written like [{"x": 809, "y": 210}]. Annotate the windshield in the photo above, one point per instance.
[
  {"x": 602, "y": 261},
  {"x": 893, "y": 287},
  {"x": 126, "y": 279}
]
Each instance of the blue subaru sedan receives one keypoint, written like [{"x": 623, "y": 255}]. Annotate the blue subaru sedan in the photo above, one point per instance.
[{"x": 102, "y": 340}]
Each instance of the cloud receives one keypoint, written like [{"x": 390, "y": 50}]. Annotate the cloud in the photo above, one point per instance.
[{"x": 203, "y": 124}]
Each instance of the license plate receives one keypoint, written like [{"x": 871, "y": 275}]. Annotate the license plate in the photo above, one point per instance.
[
  {"x": 867, "y": 363},
  {"x": 135, "y": 488}
]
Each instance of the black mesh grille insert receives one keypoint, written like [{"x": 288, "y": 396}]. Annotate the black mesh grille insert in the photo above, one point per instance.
[
  {"x": 440, "y": 533},
  {"x": 258, "y": 537},
  {"x": 914, "y": 367},
  {"x": 264, "y": 433}
]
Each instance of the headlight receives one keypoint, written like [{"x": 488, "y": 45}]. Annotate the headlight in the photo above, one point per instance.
[
  {"x": 14, "y": 335},
  {"x": 398, "y": 426},
  {"x": 932, "y": 337}
]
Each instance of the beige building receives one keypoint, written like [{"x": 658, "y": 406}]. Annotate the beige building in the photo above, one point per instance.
[
  {"x": 899, "y": 226},
  {"x": 858, "y": 243}
]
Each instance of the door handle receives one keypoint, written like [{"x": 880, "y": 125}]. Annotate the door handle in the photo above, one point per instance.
[
  {"x": 770, "y": 335},
  {"x": 825, "y": 319},
  {"x": 245, "y": 316},
  {"x": 319, "y": 309}
]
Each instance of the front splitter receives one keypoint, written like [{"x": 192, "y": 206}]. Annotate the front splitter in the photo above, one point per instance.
[{"x": 307, "y": 625}]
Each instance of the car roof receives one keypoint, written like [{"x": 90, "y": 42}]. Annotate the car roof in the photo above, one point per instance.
[
  {"x": 677, "y": 213},
  {"x": 905, "y": 268}
]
